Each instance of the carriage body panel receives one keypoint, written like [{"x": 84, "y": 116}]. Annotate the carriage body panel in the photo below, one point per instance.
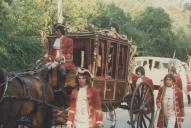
[{"x": 108, "y": 60}]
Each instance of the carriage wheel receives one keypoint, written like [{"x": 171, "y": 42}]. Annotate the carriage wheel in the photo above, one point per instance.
[
  {"x": 142, "y": 107},
  {"x": 110, "y": 113}
]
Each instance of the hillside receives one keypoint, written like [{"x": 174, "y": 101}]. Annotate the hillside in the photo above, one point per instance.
[{"x": 180, "y": 17}]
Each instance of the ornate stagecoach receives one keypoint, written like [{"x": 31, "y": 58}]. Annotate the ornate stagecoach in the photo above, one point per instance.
[{"x": 109, "y": 60}]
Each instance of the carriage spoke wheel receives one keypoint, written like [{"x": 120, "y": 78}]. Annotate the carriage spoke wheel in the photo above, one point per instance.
[
  {"x": 110, "y": 113},
  {"x": 142, "y": 107}
]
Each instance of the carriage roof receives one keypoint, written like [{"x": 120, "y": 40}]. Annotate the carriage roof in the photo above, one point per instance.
[{"x": 96, "y": 34}]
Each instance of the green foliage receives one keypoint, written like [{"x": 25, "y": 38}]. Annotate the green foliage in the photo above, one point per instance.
[
  {"x": 21, "y": 21},
  {"x": 156, "y": 25},
  {"x": 77, "y": 13},
  {"x": 153, "y": 21},
  {"x": 183, "y": 45},
  {"x": 107, "y": 14}
]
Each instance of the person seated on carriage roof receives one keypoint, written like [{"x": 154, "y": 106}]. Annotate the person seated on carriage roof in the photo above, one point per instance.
[
  {"x": 85, "y": 103},
  {"x": 115, "y": 32},
  {"x": 140, "y": 77}
]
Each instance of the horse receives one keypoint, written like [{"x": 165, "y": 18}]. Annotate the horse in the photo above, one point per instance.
[{"x": 24, "y": 97}]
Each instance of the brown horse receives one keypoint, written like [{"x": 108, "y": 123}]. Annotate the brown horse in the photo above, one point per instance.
[{"x": 24, "y": 97}]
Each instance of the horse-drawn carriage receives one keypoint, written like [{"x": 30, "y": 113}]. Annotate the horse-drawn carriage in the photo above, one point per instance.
[{"x": 109, "y": 60}]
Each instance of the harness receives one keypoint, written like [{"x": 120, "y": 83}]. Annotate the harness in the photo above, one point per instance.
[
  {"x": 28, "y": 97},
  {"x": 5, "y": 90}
]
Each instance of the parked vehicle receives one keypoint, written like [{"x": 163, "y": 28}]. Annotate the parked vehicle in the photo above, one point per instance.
[{"x": 157, "y": 67}]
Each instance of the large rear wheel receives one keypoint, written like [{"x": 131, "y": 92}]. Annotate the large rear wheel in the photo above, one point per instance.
[{"x": 142, "y": 107}]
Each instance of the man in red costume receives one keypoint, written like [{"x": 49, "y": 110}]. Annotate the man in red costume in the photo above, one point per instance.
[
  {"x": 85, "y": 104},
  {"x": 170, "y": 103},
  {"x": 140, "y": 77},
  {"x": 62, "y": 48},
  {"x": 61, "y": 51}
]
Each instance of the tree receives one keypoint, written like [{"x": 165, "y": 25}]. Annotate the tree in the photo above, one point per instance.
[
  {"x": 20, "y": 23},
  {"x": 107, "y": 14},
  {"x": 182, "y": 43},
  {"x": 156, "y": 25},
  {"x": 77, "y": 13}
]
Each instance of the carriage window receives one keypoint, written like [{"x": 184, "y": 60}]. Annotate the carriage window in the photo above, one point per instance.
[
  {"x": 144, "y": 63},
  {"x": 82, "y": 54},
  {"x": 165, "y": 65},
  {"x": 157, "y": 65},
  {"x": 101, "y": 59},
  {"x": 150, "y": 63},
  {"x": 111, "y": 61},
  {"x": 122, "y": 62}
]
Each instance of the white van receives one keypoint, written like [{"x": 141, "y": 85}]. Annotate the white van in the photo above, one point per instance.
[{"x": 157, "y": 67}]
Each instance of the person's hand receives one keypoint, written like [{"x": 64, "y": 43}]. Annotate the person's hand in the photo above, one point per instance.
[
  {"x": 68, "y": 126},
  {"x": 46, "y": 56},
  {"x": 159, "y": 105},
  {"x": 62, "y": 60},
  {"x": 57, "y": 58},
  {"x": 100, "y": 125}
]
